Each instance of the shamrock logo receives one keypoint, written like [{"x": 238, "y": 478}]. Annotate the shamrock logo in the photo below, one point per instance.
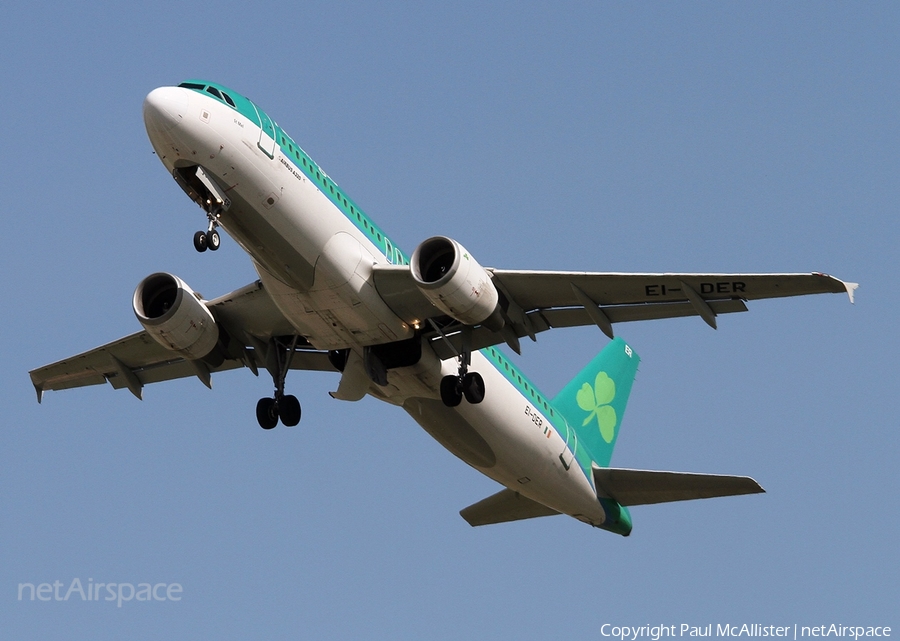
[{"x": 596, "y": 400}]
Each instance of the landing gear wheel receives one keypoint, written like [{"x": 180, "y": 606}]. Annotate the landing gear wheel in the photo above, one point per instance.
[
  {"x": 267, "y": 413},
  {"x": 200, "y": 241},
  {"x": 213, "y": 241},
  {"x": 289, "y": 410},
  {"x": 473, "y": 387},
  {"x": 451, "y": 391}
]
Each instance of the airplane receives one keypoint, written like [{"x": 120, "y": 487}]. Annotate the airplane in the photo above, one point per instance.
[{"x": 419, "y": 331}]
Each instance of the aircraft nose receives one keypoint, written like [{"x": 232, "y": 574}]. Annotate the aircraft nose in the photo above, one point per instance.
[{"x": 165, "y": 108}]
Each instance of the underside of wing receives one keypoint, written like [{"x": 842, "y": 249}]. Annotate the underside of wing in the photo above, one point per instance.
[
  {"x": 249, "y": 327},
  {"x": 535, "y": 289},
  {"x": 535, "y": 301}
]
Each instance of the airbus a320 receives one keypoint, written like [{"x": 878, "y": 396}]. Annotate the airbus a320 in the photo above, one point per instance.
[{"x": 419, "y": 331}]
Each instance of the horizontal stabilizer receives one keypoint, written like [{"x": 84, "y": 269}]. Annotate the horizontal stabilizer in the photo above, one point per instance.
[
  {"x": 643, "y": 487},
  {"x": 502, "y": 507}
]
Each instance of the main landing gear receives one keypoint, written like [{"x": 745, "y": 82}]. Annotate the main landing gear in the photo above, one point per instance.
[
  {"x": 284, "y": 406},
  {"x": 466, "y": 383},
  {"x": 281, "y": 406}
]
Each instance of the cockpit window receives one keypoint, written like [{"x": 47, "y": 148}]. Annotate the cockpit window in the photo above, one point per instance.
[{"x": 212, "y": 91}]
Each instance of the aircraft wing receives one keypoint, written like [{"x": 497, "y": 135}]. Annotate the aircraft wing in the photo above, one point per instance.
[
  {"x": 539, "y": 300},
  {"x": 247, "y": 316}
]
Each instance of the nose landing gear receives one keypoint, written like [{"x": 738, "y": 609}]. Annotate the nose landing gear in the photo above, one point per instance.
[{"x": 209, "y": 239}]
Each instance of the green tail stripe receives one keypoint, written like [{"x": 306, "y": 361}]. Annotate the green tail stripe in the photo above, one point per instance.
[{"x": 593, "y": 403}]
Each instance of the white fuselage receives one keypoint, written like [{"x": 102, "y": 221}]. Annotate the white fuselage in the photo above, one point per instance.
[{"x": 317, "y": 266}]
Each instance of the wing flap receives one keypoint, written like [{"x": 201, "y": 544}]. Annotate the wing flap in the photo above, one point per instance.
[
  {"x": 645, "y": 487},
  {"x": 543, "y": 320},
  {"x": 502, "y": 507}
]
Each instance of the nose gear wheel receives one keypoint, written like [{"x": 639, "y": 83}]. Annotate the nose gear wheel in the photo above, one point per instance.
[{"x": 209, "y": 239}]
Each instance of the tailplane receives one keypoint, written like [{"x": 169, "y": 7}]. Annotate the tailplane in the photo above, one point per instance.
[
  {"x": 593, "y": 404},
  {"x": 645, "y": 487}
]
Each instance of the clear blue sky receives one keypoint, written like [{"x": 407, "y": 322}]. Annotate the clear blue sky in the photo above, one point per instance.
[{"x": 585, "y": 136}]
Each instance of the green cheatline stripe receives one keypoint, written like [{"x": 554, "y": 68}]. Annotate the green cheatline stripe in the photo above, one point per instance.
[{"x": 530, "y": 391}]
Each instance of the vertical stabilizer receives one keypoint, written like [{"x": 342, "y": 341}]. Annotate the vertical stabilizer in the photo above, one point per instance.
[{"x": 593, "y": 403}]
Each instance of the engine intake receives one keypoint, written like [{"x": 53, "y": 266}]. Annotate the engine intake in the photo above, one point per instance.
[
  {"x": 455, "y": 283},
  {"x": 175, "y": 316}
]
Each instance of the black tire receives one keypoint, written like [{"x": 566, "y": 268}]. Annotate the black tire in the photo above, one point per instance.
[
  {"x": 451, "y": 393},
  {"x": 289, "y": 410},
  {"x": 267, "y": 413},
  {"x": 200, "y": 241},
  {"x": 213, "y": 240},
  {"x": 473, "y": 387}
]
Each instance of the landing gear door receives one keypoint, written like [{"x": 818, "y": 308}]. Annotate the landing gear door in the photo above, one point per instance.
[{"x": 266, "y": 142}]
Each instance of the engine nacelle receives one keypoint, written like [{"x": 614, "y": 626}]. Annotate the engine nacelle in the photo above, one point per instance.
[
  {"x": 175, "y": 316},
  {"x": 455, "y": 283}
]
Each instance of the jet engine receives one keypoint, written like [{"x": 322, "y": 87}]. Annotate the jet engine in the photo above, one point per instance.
[
  {"x": 455, "y": 283},
  {"x": 175, "y": 316}
]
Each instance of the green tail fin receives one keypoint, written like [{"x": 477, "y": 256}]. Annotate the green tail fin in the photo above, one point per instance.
[{"x": 593, "y": 402}]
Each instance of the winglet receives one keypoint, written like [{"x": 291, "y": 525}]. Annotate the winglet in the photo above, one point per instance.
[
  {"x": 851, "y": 290},
  {"x": 39, "y": 389}
]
